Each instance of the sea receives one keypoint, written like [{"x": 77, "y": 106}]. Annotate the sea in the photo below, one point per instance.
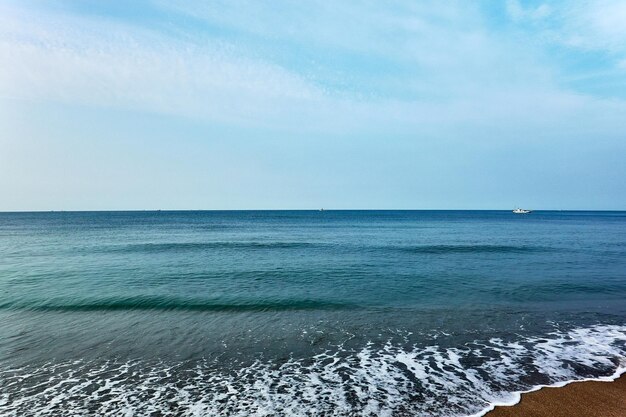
[{"x": 304, "y": 313}]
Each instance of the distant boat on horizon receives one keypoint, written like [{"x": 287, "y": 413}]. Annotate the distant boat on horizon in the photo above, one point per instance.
[{"x": 521, "y": 211}]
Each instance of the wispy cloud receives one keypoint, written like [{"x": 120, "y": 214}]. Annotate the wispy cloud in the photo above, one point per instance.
[
  {"x": 518, "y": 12},
  {"x": 72, "y": 59},
  {"x": 592, "y": 25},
  {"x": 316, "y": 66},
  {"x": 597, "y": 24}
]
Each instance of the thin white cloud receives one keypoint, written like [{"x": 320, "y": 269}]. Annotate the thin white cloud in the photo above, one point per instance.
[
  {"x": 518, "y": 12},
  {"x": 592, "y": 24},
  {"x": 459, "y": 74},
  {"x": 75, "y": 60},
  {"x": 599, "y": 24}
]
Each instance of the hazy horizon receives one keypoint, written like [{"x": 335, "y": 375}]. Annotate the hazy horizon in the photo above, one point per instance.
[{"x": 308, "y": 209}]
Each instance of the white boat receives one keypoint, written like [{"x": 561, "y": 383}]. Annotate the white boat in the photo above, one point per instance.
[{"x": 521, "y": 211}]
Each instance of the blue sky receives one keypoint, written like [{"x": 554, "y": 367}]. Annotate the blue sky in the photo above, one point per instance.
[{"x": 289, "y": 104}]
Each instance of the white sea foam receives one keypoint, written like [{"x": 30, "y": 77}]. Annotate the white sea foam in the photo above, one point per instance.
[{"x": 382, "y": 381}]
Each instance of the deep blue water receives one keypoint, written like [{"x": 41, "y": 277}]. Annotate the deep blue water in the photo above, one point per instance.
[{"x": 304, "y": 312}]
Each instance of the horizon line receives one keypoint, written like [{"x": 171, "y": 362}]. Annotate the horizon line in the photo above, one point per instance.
[{"x": 289, "y": 209}]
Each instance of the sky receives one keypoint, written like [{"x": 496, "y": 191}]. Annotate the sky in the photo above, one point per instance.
[{"x": 281, "y": 104}]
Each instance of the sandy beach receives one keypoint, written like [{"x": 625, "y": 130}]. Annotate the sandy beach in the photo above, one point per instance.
[{"x": 579, "y": 399}]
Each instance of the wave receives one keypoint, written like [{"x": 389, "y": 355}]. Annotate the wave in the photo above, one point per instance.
[
  {"x": 200, "y": 246},
  {"x": 467, "y": 380},
  {"x": 446, "y": 249},
  {"x": 173, "y": 303},
  {"x": 257, "y": 245}
]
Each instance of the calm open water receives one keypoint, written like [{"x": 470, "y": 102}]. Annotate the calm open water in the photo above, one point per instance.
[{"x": 429, "y": 313}]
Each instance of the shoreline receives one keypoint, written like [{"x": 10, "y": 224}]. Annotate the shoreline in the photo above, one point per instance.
[{"x": 602, "y": 397}]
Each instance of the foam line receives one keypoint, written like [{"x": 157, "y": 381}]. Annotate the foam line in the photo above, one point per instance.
[{"x": 466, "y": 380}]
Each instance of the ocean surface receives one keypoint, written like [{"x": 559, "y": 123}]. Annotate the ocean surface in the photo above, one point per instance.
[{"x": 270, "y": 313}]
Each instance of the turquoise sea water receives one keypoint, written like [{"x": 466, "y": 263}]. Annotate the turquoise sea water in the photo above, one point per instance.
[{"x": 440, "y": 313}]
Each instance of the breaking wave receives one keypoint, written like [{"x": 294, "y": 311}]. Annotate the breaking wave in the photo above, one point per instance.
[{"x": 377, "y": 381}]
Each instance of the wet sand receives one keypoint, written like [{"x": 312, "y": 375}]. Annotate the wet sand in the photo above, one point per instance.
[{"x": 578, "y": 399}]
